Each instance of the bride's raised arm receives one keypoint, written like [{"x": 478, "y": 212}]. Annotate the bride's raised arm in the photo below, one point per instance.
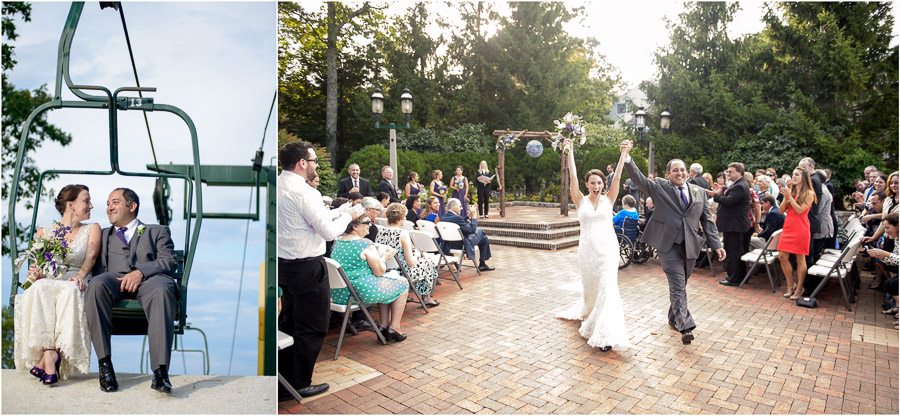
[
  {"x": 617, "y": 177},
  {"x": 574, "y": 189}
]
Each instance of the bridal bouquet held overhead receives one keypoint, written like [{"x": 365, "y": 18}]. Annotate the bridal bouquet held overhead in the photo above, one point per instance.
[{"x": 569, "y": 128}]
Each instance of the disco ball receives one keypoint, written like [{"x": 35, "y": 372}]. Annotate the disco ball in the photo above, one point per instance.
[{"x": 534, "y": 148}]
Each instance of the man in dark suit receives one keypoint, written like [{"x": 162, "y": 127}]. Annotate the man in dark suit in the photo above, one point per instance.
[
  {"x": 697, "y": 178},
  {"x": 773, "y": 221},
  {"x": 733, "y": 221},
  {"x": 354, "y": 183},
  {"x": 386, "y": 185},
  {"x": 472, "y": 236}
]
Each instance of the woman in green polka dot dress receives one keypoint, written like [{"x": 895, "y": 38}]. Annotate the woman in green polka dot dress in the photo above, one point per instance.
[
  {"x": 366, "y": 270},
  {"x": 421, "y": 270}
]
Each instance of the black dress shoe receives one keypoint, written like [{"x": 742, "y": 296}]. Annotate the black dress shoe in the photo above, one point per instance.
[
  {"x": 485, "y": 268},
  {"x": 727, "y": 282},
  {"x": 395, "y": 336},
  {"x": 108, "y": 381},
  {"x": 362, "y": 325},
  {"x": 313, "y": 389},
  {"x": 672, "y": 324},
  {"x": 161, "y": 380},
  {"x": 687, "y": 337}
]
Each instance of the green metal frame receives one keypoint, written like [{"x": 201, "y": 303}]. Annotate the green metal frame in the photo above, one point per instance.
[{"x": 112, "y": 102}]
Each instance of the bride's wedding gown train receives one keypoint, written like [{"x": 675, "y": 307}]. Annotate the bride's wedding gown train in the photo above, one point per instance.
[
  {"x": 50, "y": 313},
  {"x": 600, "y": 307}
]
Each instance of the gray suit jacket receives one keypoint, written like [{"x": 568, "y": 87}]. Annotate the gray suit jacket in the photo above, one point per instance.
[
  {"x": 151, "y": 251},
  {"x": 671, "y": 217}
]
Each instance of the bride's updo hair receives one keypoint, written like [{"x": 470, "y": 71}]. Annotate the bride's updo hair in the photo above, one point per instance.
[
  {"x": 592, "y": 172},
  {"x": 68, "y": 194}
]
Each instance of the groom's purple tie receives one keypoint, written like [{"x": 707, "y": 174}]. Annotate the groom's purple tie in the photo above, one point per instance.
[
  {"x": 121, "y": 234},
  {"x": 683, "y": 196}
]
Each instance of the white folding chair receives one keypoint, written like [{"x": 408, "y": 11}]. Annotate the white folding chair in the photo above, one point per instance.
[
  {"x": 828, "y": 269},
  {"x": 428, "y": 227},
  {"x": 284, "y": 341},
  {"x": 408, "y": 225},
  {"x": 339, "y": 280},
  {"x": 394, "y": 263},
  {"x": 381, "y": 221},
  {"x": 765, "y": 256},
  {"x": 450, "y": 233},
  {"x": 428, "y": 245}
]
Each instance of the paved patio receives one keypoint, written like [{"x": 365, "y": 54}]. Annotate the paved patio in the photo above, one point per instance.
[{"x": 495, "y": 347}]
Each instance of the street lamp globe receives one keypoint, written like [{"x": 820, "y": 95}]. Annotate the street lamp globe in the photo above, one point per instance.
[
  {"x": 640, "y": 119},
  {"x": 406, "y": 104},
  {"x": 377, "y": 104},
  {"x": 665, "y": 120}
]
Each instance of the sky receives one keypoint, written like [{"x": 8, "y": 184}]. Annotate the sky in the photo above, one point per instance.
[{"x": 215, "y": 61}]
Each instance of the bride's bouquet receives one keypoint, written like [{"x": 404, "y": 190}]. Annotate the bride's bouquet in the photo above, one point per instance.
[
  {"x": 48, "y": 253},
  {"x": 569, "y": 128}
]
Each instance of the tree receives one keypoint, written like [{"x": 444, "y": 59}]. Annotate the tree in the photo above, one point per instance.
[{"x": 17, "y": 106}]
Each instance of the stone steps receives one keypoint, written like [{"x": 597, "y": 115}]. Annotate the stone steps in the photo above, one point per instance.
[{"x": 552, "y": 245}]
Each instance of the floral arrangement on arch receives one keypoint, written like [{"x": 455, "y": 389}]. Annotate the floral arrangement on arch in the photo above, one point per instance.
[
  {"x": 570, "y": 127},
  {"x": 507, "y": 142},
  {"x": 48, "y": 253}
]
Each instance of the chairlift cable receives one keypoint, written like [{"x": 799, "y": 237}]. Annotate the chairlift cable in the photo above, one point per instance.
[
  {"x": 134, "y": 69},
  {"x": 274, "y": 97},
  {"x": 237, "y": 308}
]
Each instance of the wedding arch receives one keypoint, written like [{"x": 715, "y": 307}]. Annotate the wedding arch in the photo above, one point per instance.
[{"x": 507, "y": 139}]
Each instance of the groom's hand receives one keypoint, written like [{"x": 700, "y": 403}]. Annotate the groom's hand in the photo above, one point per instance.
[
  {"x": 721, "y": 253},
  {"x": 131, "y": 281},
  {"x": 626, "y": 146}
]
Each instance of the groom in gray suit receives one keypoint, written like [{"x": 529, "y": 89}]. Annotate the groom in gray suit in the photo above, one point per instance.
[
  {"x": 674, "y": 232},
  {"x": 136, "y": 261}
]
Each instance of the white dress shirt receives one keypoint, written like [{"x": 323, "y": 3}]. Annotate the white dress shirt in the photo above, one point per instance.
[{"x": 303, "y": 221}]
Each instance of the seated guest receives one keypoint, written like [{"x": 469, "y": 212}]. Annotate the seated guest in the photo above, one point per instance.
[
  {"x": 355, "y": 197},
  {"x": 421, "y": 270},
  {"x": 628, "y": 211},
  {"x": 383, "y": 198},
  {"x": 773, "y": 221},
  {"x": 472, "y": 236},
  {"x": 432, "y": 207},
  {"x": 373, "y": 209},
  {"x": 354, "y": 183},
  {"x": 890, "y": 259},
  {"x": 413, "y": 208},
  {"x": 649, "y": 207},
  {"x": 366, "y": 268}
]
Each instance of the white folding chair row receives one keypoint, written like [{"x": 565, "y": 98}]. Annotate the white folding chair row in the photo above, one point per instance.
[
  {"x": 408, "y": 225},
  {"x": 830, "y": 256},
  {"x": 284, "y": 341},
  {"x": 428, "y": 245},
  {"x": 394, "y": 263},
  {"x": 838, "y": 268},
  {"x": 339, "y": 280},
  {"x": 450, "y": 233},
  {"x": 428, "y": 227},
  {"x": 381, "y": 221},
  {"x": 852, "y": 232},
  {"x": 765, "y": 256}
]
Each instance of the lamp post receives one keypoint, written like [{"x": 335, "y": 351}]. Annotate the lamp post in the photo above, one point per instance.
[
  {"x": 665, "y": 122},
  {"x": 640, "y": 122},
  {"x": 406, "y": 105}
]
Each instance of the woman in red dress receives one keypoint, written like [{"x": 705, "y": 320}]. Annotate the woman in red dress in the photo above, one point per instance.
[{"x": 795, "y": 235}]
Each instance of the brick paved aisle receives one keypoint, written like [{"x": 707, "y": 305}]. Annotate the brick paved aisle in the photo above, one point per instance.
[{"x": 495, "y": 347}]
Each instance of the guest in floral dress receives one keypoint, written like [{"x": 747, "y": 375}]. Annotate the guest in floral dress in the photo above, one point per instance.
[
  {"x": 420, "y": 270},
  {"x": 366, "y": 268}
]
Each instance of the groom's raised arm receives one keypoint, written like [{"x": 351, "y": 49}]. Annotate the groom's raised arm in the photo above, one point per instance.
[{"x": 636, "y": 176}]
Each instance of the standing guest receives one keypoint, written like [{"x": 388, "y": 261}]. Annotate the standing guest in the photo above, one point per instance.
[
  {"x": 303, "y": 226},
  {"x": 796, "y": 234},
  {"x": 413, "y": 208},
  {"x": 460, "y": 186},
  {"x": 365, "y": 268},
  {"x": 872, "y": 221},
  {"x": 438, "y": 190},
  {"x": 355, "y": 197},
  {"x": 610, "y": 173},
  {"x": 632, "y": 189},
  {"x": 773, "y": 221},
  {"x": 809, "y": 166},
  {"x": 766, "y": 186},
  {"x": 772, "y": 173},
  {"x": 335, "y": 204},
  {"x": 354, "y": 183},
  {"x": 708, "y": 178},
  {"x": 421, "y": 270},
  {"x": 754, "y": 213},
  {"x": 374, "y": 209},
  {"x": 733, "y": 221},
  {"x": 413, "y": 187},
  {"x": 432, "y": 209},
  {"x": 697, "y": 178},
  {"x": 720, "y": 179},
  {"x": 891, "y": 259},
  {"x": 825, "y": 234},
  {"x": 484, "y": 189},
  {"x": 472, "y": 236},
  {"x": 386, "y": 185}
]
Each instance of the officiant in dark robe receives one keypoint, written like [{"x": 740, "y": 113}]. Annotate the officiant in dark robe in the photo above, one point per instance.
[{"x": 484, "y": 189}]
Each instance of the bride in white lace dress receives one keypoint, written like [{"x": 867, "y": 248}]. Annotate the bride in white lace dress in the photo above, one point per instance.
[
  {"x": 51, "y": 331},
  {"x": 600, "y": 308}
]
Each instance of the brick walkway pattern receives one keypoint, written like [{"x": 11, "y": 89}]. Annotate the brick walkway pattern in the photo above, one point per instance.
[{"x": 495, "y": 347}]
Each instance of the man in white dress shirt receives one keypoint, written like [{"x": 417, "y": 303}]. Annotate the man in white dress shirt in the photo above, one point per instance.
[{"x": 303, "y": 226}]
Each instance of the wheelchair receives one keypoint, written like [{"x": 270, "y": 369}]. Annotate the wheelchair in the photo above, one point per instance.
[
  {"x": 642, "y": 250},
  {"x": 626, "y": 235}
]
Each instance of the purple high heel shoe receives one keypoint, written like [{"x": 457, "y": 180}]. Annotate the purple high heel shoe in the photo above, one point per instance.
[
  {"x": 38, "y": 372},
  {"x": 51, "y": 379}
]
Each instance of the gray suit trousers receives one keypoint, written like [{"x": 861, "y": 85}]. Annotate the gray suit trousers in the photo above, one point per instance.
[
  {"x": 678, "y": 269},
  {"x": 156, "y": 294}
]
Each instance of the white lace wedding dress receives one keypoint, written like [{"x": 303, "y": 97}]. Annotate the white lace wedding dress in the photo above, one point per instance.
[
  {"x": 50, "y": 313},
  {"x": 600, "y": 308}
]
